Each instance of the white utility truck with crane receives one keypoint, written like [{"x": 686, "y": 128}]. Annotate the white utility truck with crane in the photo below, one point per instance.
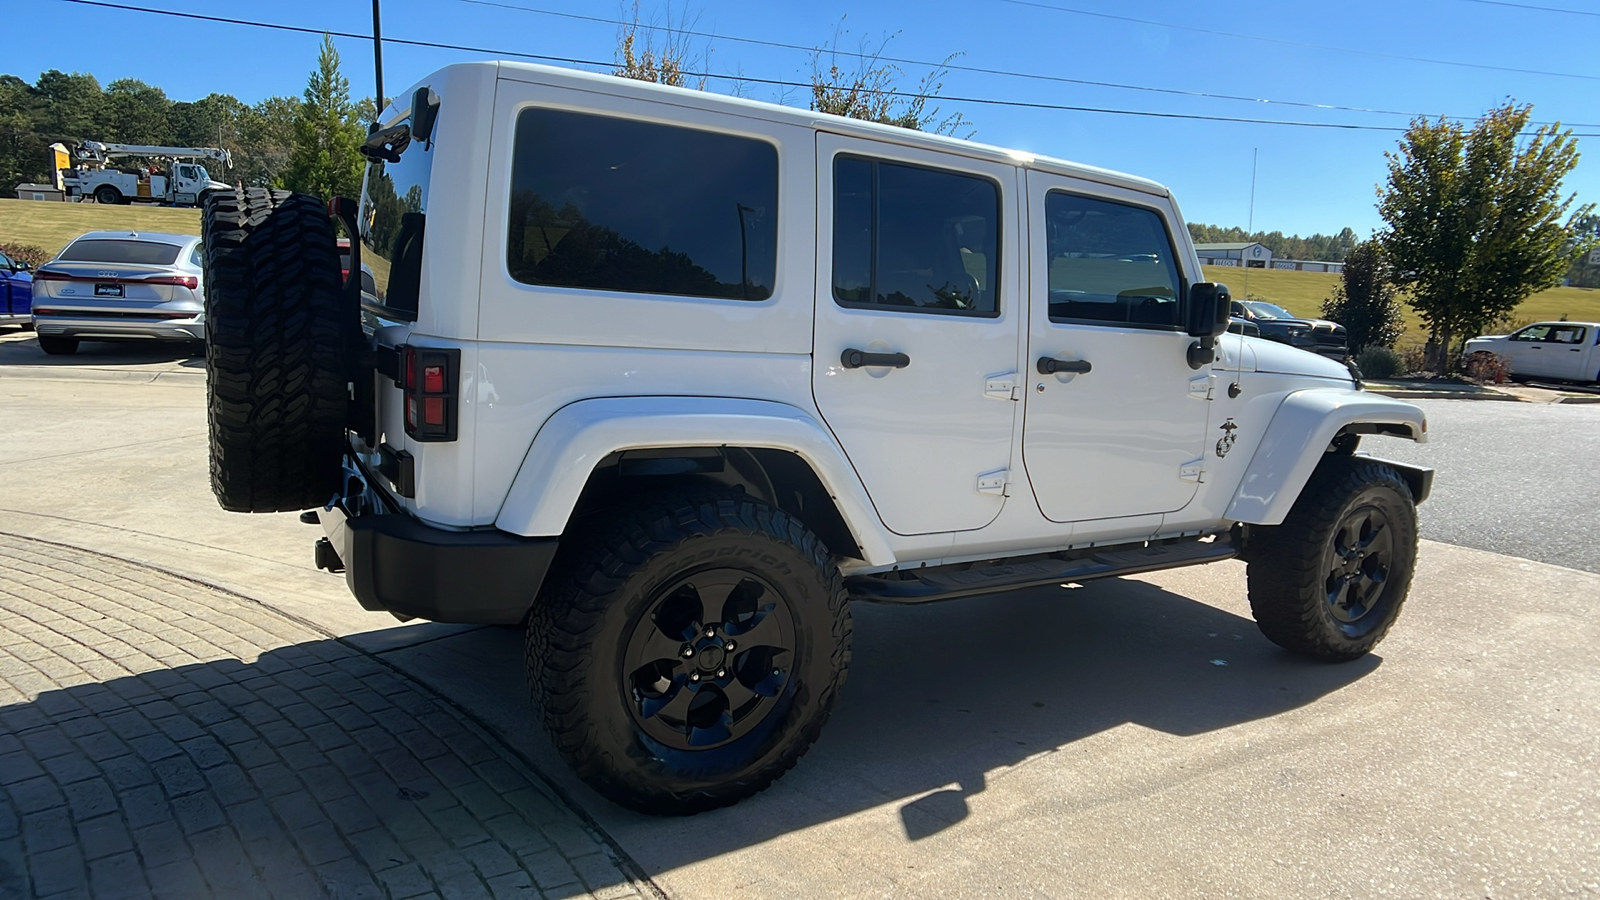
[{"x": 172, "y": 176}]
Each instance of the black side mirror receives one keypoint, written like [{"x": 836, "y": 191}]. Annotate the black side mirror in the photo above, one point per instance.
[
  {"x": 424, "y": 111},
  {"x": 22, "y": 267},
  {"x": 1209, "y": 305}
]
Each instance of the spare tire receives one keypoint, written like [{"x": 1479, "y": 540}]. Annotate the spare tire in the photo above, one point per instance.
[{"x": 278, "y": 333}]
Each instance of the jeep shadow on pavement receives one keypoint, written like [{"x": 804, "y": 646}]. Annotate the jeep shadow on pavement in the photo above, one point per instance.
[{"x": 672, "y": 379}]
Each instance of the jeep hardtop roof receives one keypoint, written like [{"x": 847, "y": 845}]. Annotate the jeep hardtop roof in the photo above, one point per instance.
[{"x": 788, "y": 115}]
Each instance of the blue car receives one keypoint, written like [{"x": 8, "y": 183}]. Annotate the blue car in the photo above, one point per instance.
[{"x": 16, "y": 292}]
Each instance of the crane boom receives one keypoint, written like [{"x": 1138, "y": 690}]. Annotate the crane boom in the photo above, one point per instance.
[{"x": 100, "y": 152}]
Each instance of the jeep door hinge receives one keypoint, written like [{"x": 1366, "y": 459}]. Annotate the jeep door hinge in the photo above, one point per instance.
[
  {"x": 1200, "y": 387},
  {"x": 997, "y": 483},
  {"x": 1192, "y": 471},
  {"x": 1002, "y": 387}
]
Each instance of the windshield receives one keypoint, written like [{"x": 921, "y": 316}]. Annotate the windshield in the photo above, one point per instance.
[
  {"x": 142, "y": 253},
  {"x": 1268, "y": 310}
]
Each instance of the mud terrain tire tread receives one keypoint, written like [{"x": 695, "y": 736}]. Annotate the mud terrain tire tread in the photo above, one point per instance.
[
  {"x": 570, "y": 619},
  {"x": 1285, "y": 572},
  {"x": 277, "y": 335}
]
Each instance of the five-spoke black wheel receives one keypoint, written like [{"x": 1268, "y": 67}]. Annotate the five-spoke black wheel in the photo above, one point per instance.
[
  {"x": 1329, "y": 582},
  {"x": 688, "y": 653},
  {"x": 709, "y": 658}
]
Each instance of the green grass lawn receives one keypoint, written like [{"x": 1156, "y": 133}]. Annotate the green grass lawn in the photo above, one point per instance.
[
  {"x": 1302, "y": 293},
  {"x": 52, "y": 225}
]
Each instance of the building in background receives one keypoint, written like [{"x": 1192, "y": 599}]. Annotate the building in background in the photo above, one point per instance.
[{"x": 1254, "y": 255}]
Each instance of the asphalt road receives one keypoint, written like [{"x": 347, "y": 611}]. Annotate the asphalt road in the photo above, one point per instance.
[{"x": 1522, "y": 479}]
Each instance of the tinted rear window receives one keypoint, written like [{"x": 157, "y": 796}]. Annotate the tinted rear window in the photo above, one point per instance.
[{"x": 141, "y": 253}]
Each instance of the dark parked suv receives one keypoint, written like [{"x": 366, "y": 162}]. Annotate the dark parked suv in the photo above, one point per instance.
[{"x": 1278, "y": 324}]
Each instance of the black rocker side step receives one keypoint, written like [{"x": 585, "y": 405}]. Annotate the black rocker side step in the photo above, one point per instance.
[{"x": 968, "y": 579}]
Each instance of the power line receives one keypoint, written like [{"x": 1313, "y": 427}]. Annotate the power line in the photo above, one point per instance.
[
  {"x": 1301, "y": 44},
  {"x": 1554, "y": 9},
  {"x": 954, "y": 67},
  {"x": 985, "y": 101}
]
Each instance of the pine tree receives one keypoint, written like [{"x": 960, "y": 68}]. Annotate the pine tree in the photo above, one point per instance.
[{"x": 323, "y": 161}]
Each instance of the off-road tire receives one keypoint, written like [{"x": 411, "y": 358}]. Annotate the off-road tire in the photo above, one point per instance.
[
  {"x": 58, "y": 346},
  {"x": 1290, "y": 565},
  {"x": 599, "y": 593},
  {"x": 277, "y": 350}
]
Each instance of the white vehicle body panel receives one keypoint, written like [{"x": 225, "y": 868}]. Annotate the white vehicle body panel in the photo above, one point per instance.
[
  {"x": 1303, "y": 426},
  {"x": 1112, "y": 442},
  {"x": 579, "y": 436},
  {"x": 929, "y": 430}
]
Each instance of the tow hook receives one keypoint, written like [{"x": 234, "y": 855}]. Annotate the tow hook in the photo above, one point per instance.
[{"x": 327, "y": 557}]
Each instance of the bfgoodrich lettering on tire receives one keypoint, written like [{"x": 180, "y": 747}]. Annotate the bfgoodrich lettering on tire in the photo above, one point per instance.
[
  {"x": 277, "y": 343},
  {"x": 1329, "y": 582},
  {"x": 689, "y": 654}
]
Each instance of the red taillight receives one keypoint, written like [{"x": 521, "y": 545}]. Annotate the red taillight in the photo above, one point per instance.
[
  {"x": 188, "y": 281},
  {"x": 429, "y": 378}
]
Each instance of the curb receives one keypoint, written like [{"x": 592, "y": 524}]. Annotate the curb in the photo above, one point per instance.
[
  {"x": 104, "y": 375},
  {"x": 1446, "y": 395}
]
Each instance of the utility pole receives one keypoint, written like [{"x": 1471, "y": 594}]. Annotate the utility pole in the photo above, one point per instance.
[{"x": 377, "y": 62}]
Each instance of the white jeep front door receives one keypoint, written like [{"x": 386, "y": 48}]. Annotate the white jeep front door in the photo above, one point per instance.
[
  {"x": 918, "y": 313},
  {"x": 1118, "y": 428}
]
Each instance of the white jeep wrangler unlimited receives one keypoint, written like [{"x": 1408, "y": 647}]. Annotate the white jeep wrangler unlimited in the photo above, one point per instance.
[{"x": 671, "y": 378}]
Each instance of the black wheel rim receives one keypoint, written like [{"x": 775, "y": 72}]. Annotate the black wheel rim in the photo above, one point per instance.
[
  {"x": 708, "y": 659},
  {"x": 1361, "y": 558}
]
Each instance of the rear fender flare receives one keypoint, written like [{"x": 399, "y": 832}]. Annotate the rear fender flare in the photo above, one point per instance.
[
  {"x": 574, "y": 440},
  {"x": 1301, "y": 430}
]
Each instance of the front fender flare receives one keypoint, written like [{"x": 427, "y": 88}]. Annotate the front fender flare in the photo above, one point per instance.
[
  {"x": 578, "y": 436},
  {"x": 1305, "y": 423}
]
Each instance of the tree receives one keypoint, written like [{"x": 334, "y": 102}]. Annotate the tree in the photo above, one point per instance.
[
  {"x": 664, "y": 60},
  {"x": 323, "y": 159},
  {"x": 1364, "y": 300},
  {"x": 863, "y": 86},
  {"x": 1586, "y": 229},
  {"x": 135, "y": 113},
  {"x": 1475, "y": 220},
  {"x": 72, "y": 106}
]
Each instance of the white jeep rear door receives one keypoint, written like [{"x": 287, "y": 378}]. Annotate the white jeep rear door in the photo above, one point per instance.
[{"x": 917, "y": 271}]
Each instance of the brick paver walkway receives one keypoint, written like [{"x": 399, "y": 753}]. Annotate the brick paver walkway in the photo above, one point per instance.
[{"x": 160, "y": 738}]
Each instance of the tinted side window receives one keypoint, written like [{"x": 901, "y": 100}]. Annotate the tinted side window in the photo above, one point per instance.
[
  {"x": 1109, "y": 263},
  {"x": 916, "y": 239},
  {"x": 618, "y": 205}
]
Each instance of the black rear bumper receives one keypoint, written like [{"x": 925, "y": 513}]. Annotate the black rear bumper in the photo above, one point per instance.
[{"x": 394, "y": 563}]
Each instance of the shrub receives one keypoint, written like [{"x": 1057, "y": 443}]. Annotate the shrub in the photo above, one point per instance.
[
  {"x": 1414, "y": 361},
  {"x": 1364, "y": 300},
  {"x": 33, "y": 256},
  {"x": 1487, "y": 368},
  {"x": 1379, "y": 362}
]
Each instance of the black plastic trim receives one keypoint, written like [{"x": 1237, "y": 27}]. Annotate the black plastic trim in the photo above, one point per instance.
[
  {"x": 396, "y": 564},
  {"x": 966, "y": 580}
]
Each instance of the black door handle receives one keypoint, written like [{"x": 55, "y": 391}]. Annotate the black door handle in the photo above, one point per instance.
[
  {"x": 1048, "y": 365},
  {"x": 852, "y": 358}
]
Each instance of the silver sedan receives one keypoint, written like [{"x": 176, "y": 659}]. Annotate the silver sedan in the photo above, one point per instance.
[{"x": 120, "y": 285}]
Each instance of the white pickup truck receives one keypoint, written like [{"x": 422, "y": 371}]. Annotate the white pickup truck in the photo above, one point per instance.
[{"x": 1566, "y": 350}]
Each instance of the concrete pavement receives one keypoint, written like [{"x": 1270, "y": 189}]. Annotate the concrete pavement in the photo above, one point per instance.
[{"x": 1125, "y": 739}]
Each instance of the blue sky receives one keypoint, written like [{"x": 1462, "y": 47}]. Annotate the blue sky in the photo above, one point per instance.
[{"x": 1309, "y": 179}]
